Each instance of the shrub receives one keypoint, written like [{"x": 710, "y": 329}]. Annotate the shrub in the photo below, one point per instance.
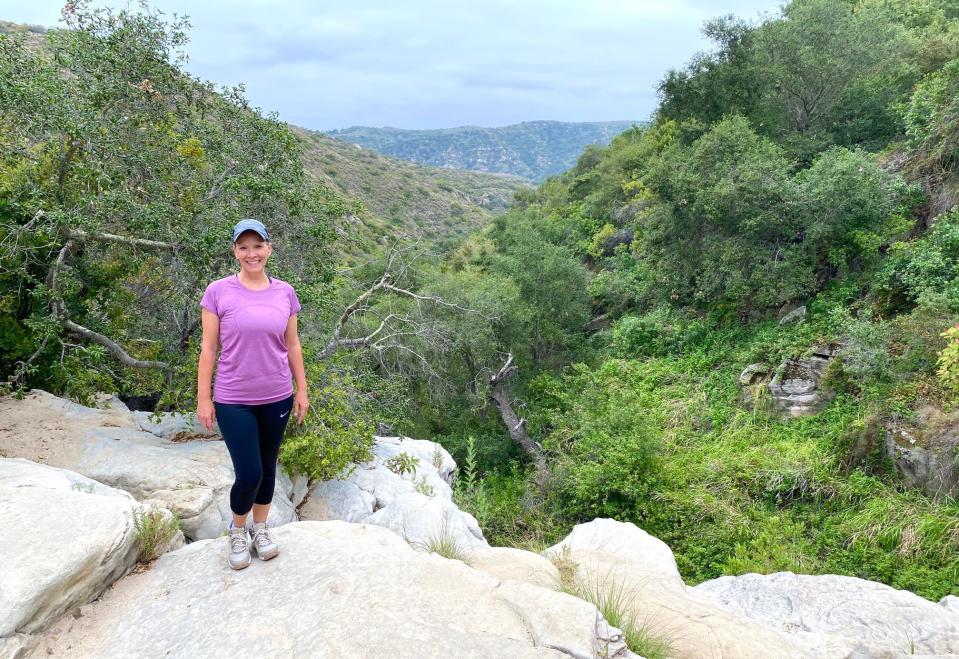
[
  {"x": 402, "y": 463},
  {"x": 155, "y": 527}
]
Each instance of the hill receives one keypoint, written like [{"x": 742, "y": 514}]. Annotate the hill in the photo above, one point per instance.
[
  {"x": 533, "y": 150},
  {"x": 402, "y": 199}
]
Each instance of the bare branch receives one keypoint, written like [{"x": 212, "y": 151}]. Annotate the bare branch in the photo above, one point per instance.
[
  {"x": 77, "y": 234},
  {"x": 110, "y": 345}
]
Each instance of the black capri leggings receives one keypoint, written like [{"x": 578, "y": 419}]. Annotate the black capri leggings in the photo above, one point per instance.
[{"x": 253, "y": 434}]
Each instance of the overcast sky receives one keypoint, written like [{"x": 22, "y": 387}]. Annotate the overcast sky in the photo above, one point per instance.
[{"x": 432, "y": 64}]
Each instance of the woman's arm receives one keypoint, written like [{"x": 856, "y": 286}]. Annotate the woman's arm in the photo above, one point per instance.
[
  {"x": 301, "y": 402},
  {"x": 204, "y": 378}
]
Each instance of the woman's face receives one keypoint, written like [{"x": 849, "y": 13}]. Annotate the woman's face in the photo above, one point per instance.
[{"x": 252, "y": 252}]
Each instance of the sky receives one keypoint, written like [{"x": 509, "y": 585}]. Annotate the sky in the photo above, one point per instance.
[{"x": 434, "y": 64}]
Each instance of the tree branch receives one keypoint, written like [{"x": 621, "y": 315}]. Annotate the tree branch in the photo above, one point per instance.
[{"x": 79, "y": 235}]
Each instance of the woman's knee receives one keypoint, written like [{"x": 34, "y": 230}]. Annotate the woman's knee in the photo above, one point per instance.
[{"x": 249, "y": 478}]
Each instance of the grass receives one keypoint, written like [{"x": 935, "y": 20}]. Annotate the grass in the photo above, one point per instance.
[
  {"x": 616, "y": 603},
  {"x": 448, "y": 545},
  {"x": 155, "y": 527}
]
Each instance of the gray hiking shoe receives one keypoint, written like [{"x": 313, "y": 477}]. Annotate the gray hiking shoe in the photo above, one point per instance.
[
  {"x": 263, "y": 542},
  {"x": 239, "y": 549}
]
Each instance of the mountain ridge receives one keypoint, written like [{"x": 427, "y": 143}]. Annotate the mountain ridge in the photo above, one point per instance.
[{"x": 533, "y": 150}]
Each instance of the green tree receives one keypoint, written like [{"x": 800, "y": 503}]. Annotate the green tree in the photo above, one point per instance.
[{"x": 121, "y": 176}]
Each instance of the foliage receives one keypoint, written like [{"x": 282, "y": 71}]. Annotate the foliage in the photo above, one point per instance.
[
  {"x": 102, "y": 134},
  {"x": 154, "y": 528},
  {"x": 402, "y": 463},
  {"x": 949, "y": 360},
  {"x": 338, "y": 429}
]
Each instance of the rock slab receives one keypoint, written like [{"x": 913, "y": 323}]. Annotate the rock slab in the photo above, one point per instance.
[
  {"x": 66, "y": 538},
  {"x": 336, "y": 590},
  {"x": 831, "y": 613}
]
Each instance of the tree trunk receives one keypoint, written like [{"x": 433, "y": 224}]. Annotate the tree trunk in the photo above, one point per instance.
[{"x": 515, "y": 425}]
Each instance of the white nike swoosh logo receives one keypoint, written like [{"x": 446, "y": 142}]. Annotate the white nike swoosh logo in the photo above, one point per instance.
[{"x": 284, "y": 414}]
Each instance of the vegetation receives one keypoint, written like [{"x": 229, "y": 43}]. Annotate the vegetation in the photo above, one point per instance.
[
  {"x": 155, "y": 528},
  {"x": 532, "y": 150},
  {"x": 579, "y": 354}
]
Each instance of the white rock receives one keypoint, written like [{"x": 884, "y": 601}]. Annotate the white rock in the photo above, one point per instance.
[
  {"x": 337, "y": 499},
  {"x": 65, "y": 539},
  {"x": 429, "y": 453},
  {"x": 951, "y": 602},
  {"x": 337, "y": 590},
  {"x": 192, "y": 479},
  {"x": 610, "y": 558},
  {"x": 507, "y": 563},
  {"x": 423, "y": 521},
  {"x": 173, "y": 426},
  {"x": 832, "y": 609}
]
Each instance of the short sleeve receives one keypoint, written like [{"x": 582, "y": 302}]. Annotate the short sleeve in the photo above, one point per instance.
[
  {"x": 294, "y": 302},
  {"x": 209, "y": 299}
]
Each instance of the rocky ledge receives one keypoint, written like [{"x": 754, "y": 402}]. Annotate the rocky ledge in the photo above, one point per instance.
[{"x": 370, "y": 586}]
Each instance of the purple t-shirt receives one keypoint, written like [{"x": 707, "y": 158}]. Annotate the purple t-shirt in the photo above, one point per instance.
[{"x": 253, "y": 367}]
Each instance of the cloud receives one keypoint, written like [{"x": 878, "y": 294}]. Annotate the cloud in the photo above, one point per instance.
[{"x": 425, "y": 63}]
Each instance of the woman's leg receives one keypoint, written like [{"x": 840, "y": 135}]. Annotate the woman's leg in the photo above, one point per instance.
[
  {"x": 271, "y": 419},
  {"x": 238, "y": 425}
]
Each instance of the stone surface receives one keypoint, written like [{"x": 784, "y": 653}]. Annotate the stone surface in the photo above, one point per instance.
[
  {"x": 796, "y": 315},
  {"x": 65, "y": 539},
  {"x": 423, "y": 521},
  {"x": 192, "y": 479},
  {"x": 417, "y": 505},
  {"x": 337, "y": 499},
  {"x": 951, "y": 602},
  {"x": 337, "y": 590},
  {"x": 925, "y": 451},
  {"x": 796, "y": 387},
  {"x": 610, "y": 557},
  {"x": 830, "y": 611},
  {"x": 516, "y": 565},
  {"x": 173, "y": 426}
]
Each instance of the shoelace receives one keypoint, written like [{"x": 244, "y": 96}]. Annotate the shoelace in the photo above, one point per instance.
[
  {"x": 238, "y": 542},
  {"x": 262, "y": 537}
]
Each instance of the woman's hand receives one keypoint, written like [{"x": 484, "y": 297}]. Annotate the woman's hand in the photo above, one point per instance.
[
  {"x": 300, "y": 405},
  {"x": 206, "y": 414}
]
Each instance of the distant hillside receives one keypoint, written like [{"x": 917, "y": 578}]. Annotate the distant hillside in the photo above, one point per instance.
[
  {"x": 533, "y": 150},
  {"x": 402, "y": 199}
]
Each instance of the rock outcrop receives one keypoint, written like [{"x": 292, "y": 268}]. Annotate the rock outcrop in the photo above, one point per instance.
[
  {"x": 606, "y": 556},
  {"x": 836, "y": 616},
  {"x": 337, "y": 589},
  {"x": 65, "y": 539},
  {"x": 192, "y": 479},
  {"x": 925, "y": 451},
  {"x": 796, "y": 388},
  {"x": 416, "y": 503}
]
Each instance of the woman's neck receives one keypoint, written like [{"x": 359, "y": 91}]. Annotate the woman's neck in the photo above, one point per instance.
[{"x": 255, "y": 282}]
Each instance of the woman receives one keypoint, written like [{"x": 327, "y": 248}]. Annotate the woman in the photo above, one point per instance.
[{"x": 252, "y": 318}]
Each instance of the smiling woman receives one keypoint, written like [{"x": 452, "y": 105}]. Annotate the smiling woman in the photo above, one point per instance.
[{"x": 251, "y": 317}]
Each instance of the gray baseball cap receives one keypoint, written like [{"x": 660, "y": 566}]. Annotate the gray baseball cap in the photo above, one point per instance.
[{"x": 250, "y": 225}]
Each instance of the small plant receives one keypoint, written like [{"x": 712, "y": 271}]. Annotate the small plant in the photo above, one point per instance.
[
  {"x": 421, "y": 486},
  {"x": 948, "y": 361},
  {"x": 402, "y": 463},
  {"x": 446, "y": 544},
  {"x": 437, "y": 457},
  {"x": 616, "y": 603},
  {"x": 83, "y": 487},
  {"x": 154, "y": 529}
]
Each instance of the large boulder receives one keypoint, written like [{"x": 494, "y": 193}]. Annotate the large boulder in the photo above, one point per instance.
[
  {"x": 65, "y": 539},
  {"x": 337, "y": 589},
  {"x": 834, "y": 615},
  {"x": 925, "y": 451},
  {"x": 192, "y": 479},
  {"x": 610, "y": 559},
  {"x": 427, "y": 522}
]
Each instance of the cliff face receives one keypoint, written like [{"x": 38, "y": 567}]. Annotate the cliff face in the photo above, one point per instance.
[{"x": 395, "y": 569}]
